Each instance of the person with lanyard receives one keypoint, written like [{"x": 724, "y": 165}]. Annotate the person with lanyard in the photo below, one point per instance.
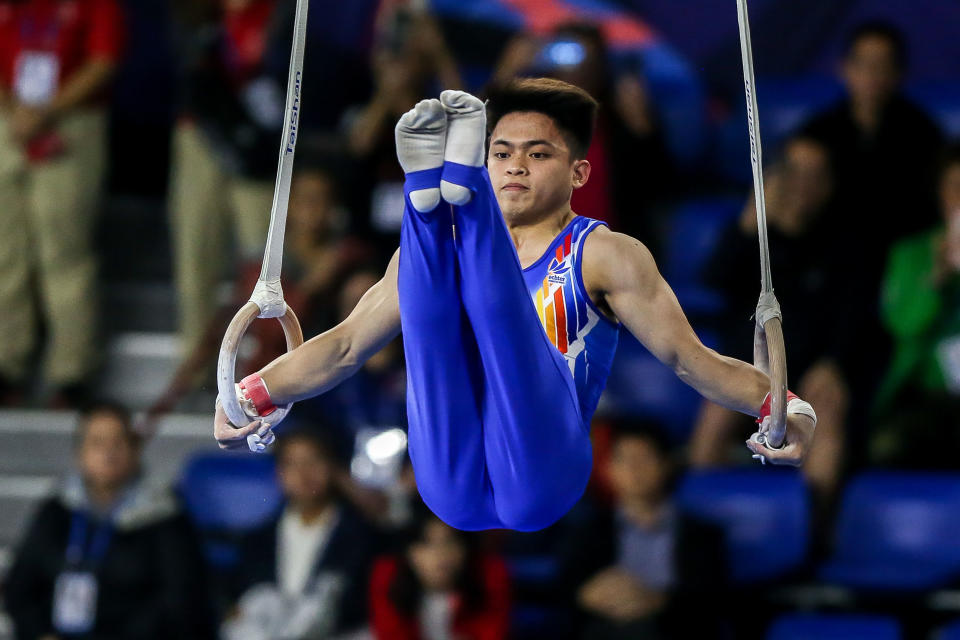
[
  {"x": 112, "y": 555},
  {"x": 57, "y": 59}
]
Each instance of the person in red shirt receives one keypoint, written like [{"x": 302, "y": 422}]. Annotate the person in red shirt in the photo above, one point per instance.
[
  {"x": 57, "y": 58},
  {"x": 439, "y": 586}
]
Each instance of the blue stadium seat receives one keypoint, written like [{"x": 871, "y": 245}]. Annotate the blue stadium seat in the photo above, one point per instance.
[
  {"x": 231, "y": 492},
  {"x": 639, "y": 385},
  {"x": 949, "y": 632},
  {"x": 897, "y": 531},
  {"x": 834, "y": 627},
  {"x": 680, "y": 98},
  {"x": 783, "y": 104},
  {"x": 942, "y": 102},
  {"x": 226, "y": 495},
  {"x": 695, "y": 231},
  {"x": 764, "y": 514}
]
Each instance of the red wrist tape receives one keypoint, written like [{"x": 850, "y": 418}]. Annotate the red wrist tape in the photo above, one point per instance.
[
  {"x": 765, "y": 407},
  {"x": 257, "y": 392}
]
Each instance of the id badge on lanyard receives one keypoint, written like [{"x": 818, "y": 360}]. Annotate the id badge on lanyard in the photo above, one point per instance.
[
  {"x": 36, "y": 77},
  {"x": 36, "y": 71},
  {"x": 76, "y": 589},
  {"x": 75, "y": 602}
]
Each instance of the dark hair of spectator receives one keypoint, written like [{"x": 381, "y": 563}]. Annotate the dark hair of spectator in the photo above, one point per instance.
[
  {"x": 322, "y": 445},
  {"x": 646, "y": 430},
  {"x": 406, "y": 591},
  {"x": 885, "y": 31},
  {"x": 312, "y": 162},
  {"x": 654, "y": 434},
  {"x": 110, "y": 408},
  {"x": 950, "y": 158},
  {"x": 571, "y": 108}
]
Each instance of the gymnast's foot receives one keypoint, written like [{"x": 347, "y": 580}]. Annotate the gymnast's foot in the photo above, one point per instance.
[
  {"x": 466, "y": 140},
  {"x": 420, "y": 134}
]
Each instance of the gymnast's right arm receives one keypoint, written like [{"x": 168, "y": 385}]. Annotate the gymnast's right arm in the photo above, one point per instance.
[{"x": 324, "y": 361}]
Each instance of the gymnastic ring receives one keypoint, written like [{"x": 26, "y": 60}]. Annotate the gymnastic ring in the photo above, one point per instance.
[
  {"x": 227, "y": 361},
  {"x": 775, "y": 435}
]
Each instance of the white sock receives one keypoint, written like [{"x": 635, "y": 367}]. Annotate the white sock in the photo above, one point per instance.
[
  {"x": 466, "y": 139},
  {"x": 420, "y": 134}
]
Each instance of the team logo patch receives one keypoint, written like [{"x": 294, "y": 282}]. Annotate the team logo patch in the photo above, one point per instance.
[{"x": 557, "y": 274}]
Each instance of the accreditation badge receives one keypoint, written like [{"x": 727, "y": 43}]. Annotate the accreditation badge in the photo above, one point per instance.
[
  {"x": 75, "y": 602},
  {"x": 36, "y": 77}
]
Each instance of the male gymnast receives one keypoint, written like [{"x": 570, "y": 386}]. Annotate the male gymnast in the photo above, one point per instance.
[{"x": 510, "y": 305}]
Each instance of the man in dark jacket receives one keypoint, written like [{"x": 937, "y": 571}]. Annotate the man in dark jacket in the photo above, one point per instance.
[
  {"x": 110, "y": 556},
  {"x": 305, "y": 573},
  {"x": 636, "y": 567}
]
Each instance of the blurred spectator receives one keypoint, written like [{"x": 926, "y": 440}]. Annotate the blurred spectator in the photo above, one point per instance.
[
  {"x": 439, "y": 587},
  {"x": 814, "y": 287},
  {"x": 225, "y": 147},
  {"x": 320, "y": 251},
  {"x": 643, "y": 569},
  {"x": 111, "y": 556},
  {"x": 410, "y": 62},
  {"x": 884, "y": 148},
  {"x": 884, "y": 151},
  {"x": 628, "y": 147},
  {"x": 304, "y": 575},
  {"x": 375, "y": 396},
  {"x": 57, "y": 58},
  {"x": 920, "y": 397}
]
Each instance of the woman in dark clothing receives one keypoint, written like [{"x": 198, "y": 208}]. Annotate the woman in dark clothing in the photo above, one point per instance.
[{"x": 110, "y": 556}]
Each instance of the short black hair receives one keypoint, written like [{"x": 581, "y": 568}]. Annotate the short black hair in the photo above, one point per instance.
[
  {"x": 320, "y": 442},
  {"x": 110, "y": 408},
  {"x": 570, "y": 107},
  {"x": 649, "y": 431},
  {"x": 884, "y": 30}
]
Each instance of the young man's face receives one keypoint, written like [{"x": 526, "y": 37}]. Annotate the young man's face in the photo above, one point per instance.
[
  {"x": 871, "y": 72},
  {"x": 305, "y": 476},
  {"x": 107, "y": 456},
  {"x": 531, "y": 167}
]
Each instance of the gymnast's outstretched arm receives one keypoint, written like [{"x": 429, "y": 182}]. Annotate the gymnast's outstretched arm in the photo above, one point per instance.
[
  {"x": 620, "y": 272},
  {"x": 324, "y": 361}
]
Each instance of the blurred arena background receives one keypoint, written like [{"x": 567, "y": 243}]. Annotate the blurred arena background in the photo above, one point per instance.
[{"x": 135, "y": 211}]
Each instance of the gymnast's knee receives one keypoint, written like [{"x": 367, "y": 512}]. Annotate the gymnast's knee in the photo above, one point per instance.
[
  {"x": 526, "y": 509},
  {"x": 460, "y": 511}
]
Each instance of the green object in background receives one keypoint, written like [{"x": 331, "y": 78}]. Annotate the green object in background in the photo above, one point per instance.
[{"x": 922, "y": 316}]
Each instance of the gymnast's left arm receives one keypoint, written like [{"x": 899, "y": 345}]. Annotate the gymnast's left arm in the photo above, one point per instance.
[{"x": 620, "y": 272}]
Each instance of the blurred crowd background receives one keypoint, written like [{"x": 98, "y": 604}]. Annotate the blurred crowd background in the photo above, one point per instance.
[{"x": 138, "y": 146}]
